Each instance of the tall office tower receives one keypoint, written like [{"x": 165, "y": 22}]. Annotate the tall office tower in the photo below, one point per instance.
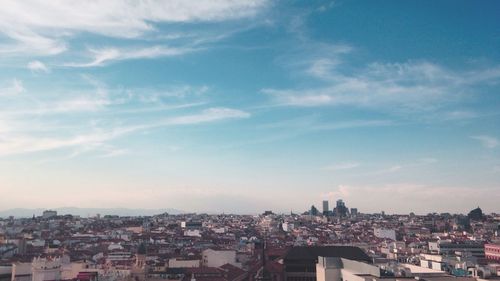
[
  {"x": 341, "y": 210},
  {"x": 313, "y": 211},
  {"x": 340, "y": 203},
  {"x": 325, "y": 207}
]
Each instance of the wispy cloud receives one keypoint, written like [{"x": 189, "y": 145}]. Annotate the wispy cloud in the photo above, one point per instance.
[
  {"x": 396, "y": 168},
  {"x": 40, "y": 28},
  {"x": 314, "y": 123},
  {"x": 15, "y": 88},
  {"x": 103, "y": 56},
  {"x": 460, "y": 115},
  {"x": 309, "y": 124},
  {"x": 328, "y": 78},
  {"x": 27, "y": 42},
  {"x": 102, "y": 99},
  {"x": 487, "y": 141},
  {"x": 13, "y": 143},
  {"x": 411, "y": 86},
  {"x": 208, "y": 115},
  {"x": 342, "y": 191},
  {"x": 341, "y": 166},
  {"x": 391, "y": 169},
  {"x": 113, "y": 152},
  {"x": 351, "y": 124},
  {"x": 426, "y": 160},
  {"x": 37, "y": 66}
]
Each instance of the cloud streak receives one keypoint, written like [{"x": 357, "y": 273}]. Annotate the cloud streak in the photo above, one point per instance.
[
  {"x": 37, "y": 67},
  {"x": 410, "y": 87},
  {"x": 487, "y": 141},
  {"x": 103, "y": 56},
  {"x": 15, "y": 88},
  {"x": 39, "y": 28},
  {"x": 11, "y": 143},
  {"x": 341, "y": 166}
]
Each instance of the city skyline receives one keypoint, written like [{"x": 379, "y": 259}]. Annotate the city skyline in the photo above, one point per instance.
[
  {"x": 251, "y": 105},
  {"x": 351, "y": 212}
]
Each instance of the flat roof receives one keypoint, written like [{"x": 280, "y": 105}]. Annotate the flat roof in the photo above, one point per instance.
[{"x": 420, "y": 269}]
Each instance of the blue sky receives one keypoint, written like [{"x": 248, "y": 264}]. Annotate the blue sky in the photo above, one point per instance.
[{"x": 244, "y": 106}]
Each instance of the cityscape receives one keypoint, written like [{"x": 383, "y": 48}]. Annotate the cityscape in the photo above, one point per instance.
[
  {"x": 249, "y": 140},
  {"x": 331, "y": 243}
]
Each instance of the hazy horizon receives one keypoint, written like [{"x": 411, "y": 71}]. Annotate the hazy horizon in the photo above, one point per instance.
[
  {"x": 250, "y": 105},
  {"x": 91, "y": 212}
]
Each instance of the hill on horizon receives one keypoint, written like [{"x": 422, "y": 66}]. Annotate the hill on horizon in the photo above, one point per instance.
[{"x": 87, "y": 212}]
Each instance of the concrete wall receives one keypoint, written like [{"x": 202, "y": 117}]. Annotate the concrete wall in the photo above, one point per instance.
[
  {"x": 328, "y": 269},
  {"x": 175, "y": 263},
  {"x": 212, "y": 258},
  {"x": 385, "y": 233},
  {"x": 21, "y": 271}
]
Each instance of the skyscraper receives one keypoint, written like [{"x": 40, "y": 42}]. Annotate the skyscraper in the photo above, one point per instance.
[
  {"x": 354, "y": 212},
  {"x": 325, "y": 207},
  {"x": 341, "y": 210},
  {"x": 313, "y": 211}
]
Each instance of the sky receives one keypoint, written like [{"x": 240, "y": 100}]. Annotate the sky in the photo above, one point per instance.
[{"x": 250, "y": 105}]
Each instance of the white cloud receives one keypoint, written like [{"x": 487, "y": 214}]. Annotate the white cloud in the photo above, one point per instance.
[
  {"x": 487, "y": 141},
  {"x": 13, "y": 143},
  {"x": 460, "y": 115},
  {"x": 403, "y": 85},
  {"x": 393, "y": 169},
  {"x": 37, "y": 66},
  {"x": 406, "y": 166},
  {"x": 310, "y": 123},
  {"x": 342, "y": 166},
  {"x": 349, "y": 124},
  {"x": 40, "y": 28},
  {"x": 387, "y": 170},
  {"x": 113, "y": 153},
  {"x": 414, "y": 86},
  {"x": 342, "y": 191},
  {"x": 76, "y": 105},
  {"x": 103, "y": 56},
  {"x": 15, "y": 88},
  {"x": 426, "y": 160},
  {"x": 323, "y": 67},
  {"x": 27, "y": 42},
  {"x": 209, "y": 115}
]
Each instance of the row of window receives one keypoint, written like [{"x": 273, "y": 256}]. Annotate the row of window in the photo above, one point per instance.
[
  {"x": 492, "y": 257},
  {"x": 492, "y": 249}
]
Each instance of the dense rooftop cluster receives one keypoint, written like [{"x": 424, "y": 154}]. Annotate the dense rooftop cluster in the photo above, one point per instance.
[{"x": 229, "y": 247}]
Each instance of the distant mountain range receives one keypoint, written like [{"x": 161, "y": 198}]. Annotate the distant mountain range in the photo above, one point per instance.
[{"x": 86, "y": 212}]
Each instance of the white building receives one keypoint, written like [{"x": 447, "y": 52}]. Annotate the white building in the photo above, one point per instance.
[
  {"x": 219, "y": 230},
  {"x": 114, "y": 247},
  {"x": 192, "y": 233},
  {"x": 21, "y": 271},
  {"x": 385, "y": 233},
  {"x": 213, "y": 258},
  {"x": 339, "y": 269},
  {"x": 46, "y": 269},
  {"x": 182, "y": 263},
  {"x": 287, "y": 226},
  {"x": 119, "y": 257},
  {"x": 37, "y": 243}
]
